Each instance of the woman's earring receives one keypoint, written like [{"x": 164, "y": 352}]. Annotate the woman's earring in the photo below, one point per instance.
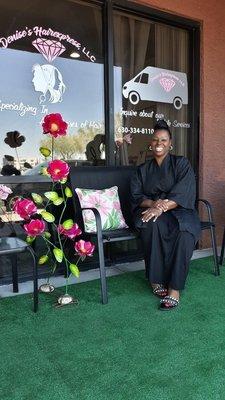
[
  {"x": 150, "y": 148},
  {"x": 171, "y": 147}
]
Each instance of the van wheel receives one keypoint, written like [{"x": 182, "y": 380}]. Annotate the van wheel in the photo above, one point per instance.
[
  {"x": 134, "y": 97},
  {"x": 177, "y": 102}
]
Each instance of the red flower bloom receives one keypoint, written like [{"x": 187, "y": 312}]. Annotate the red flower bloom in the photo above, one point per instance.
[
  {"x": 84, "y": 248},
  {"x": 58, "y": 170},
  {"x": 54, "y": 124},
  {"x": 24, "y": 208},
  {"x": 35, "y": 227},
  {"x": 70, "y": 233}
]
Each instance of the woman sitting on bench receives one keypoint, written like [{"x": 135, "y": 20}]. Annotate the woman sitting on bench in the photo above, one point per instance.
[{"x": 163, "y": 198}]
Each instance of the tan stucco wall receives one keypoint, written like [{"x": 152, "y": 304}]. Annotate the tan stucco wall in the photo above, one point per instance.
[{"x": 211, "y": 14}]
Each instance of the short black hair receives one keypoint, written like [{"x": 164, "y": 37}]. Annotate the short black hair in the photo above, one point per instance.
[{"x": 161, "y": 124}]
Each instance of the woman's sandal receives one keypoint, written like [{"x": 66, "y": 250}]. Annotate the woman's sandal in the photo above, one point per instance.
[
  {"x": 168, "y": 303},
  {"x": 159, "y": 291}
]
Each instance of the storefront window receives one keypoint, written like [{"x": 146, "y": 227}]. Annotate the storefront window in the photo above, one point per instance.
[
  {"x": 55, "y": 57},
  {"x": 50, "y": 63},
  {"x": 152, "y": 80}
]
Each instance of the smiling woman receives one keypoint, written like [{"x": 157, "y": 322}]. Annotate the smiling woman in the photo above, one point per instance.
[
  {"x": 161, "y": 141},
  {"x": 163, "y": 197}
]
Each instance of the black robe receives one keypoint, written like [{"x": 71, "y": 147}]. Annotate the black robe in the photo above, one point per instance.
[{"x": 169, "y": 242}]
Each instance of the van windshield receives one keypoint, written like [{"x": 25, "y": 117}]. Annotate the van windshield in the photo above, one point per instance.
[{"x": 138, "y": 78}]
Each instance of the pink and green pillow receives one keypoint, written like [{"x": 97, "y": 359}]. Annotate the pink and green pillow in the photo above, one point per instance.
[{"x": 107, "y": 203}]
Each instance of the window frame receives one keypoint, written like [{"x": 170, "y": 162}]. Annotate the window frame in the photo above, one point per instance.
[{"x": 108, "y": 7}]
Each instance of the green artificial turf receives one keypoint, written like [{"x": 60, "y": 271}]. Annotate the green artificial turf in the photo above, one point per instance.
[{"x": 127, "y": 349}]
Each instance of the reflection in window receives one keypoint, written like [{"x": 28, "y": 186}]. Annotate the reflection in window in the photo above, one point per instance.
[{"x": 50, "y": 63}]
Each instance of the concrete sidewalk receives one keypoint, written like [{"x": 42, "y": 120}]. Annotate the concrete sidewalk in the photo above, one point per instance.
[{"x": 27, "y": 287}]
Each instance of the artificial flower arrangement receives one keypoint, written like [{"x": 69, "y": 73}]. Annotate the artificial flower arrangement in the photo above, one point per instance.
[{"x": 41, "y": 223}]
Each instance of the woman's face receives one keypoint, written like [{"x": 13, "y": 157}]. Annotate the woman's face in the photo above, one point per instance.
[{"x": 161, "y": 143}]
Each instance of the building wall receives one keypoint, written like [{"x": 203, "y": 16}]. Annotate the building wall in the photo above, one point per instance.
[{"x": 212, "y": 114}]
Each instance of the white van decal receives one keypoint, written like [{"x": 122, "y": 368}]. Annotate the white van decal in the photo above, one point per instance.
[
  {"x": 167, "y": 84},
  {"x": 159, "y": 85}
]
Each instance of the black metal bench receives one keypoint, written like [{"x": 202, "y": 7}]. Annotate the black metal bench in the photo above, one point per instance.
[
  {"x": 210, "y": 224},
  {"x": 101, "y": 178},
  {"x": 105, "y": 177}
]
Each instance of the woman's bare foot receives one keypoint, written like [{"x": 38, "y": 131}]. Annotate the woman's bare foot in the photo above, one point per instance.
[
  {"x": 174, "y": 293},
  {"x": 170, "y": 301}
]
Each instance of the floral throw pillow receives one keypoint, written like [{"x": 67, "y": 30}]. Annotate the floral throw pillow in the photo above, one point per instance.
[{"x": 107, "y": 203}]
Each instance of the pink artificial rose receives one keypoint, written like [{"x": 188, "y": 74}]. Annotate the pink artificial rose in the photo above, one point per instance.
[
  {"x": 54, "y": 124},
  {"x": 5, "y": 191},
  {"x": 58, "y": 170},
  {"x": 70, "y": 233},
  {"x": 24, "y": 208},
  {"x": 84, "y": 248},
  {"x": 35, "y": 227}
]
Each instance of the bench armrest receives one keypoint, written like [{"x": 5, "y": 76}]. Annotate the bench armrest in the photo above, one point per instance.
[
  {"x": 208, "y": 208},
  {"x": 97, "y": 218}
]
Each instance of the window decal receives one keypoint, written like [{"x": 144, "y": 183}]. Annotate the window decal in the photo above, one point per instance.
[
  {"x": 47, "y": 79},
  {"x": 50, "y": 49},
  {"x": 162, "y": 86}
]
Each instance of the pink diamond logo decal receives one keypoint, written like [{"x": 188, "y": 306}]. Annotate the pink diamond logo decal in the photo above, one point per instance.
[
  {"x": 167, "y": 84},
  {"x": 50, "y": 49}
]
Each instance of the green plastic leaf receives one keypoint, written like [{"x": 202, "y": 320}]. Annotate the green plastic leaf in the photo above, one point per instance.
[
  {"x": 47, "y": 235},
  {"x": 43, "y": 259},
  {"x": 67, "y": 224},
  {"x": 45, "y": 151},
  {"x": 64, "y": 180},
  {"x": 68, "y": 192},
  {"x": 51, "y": 195},
  {"x": 58, "y": 201},
  {"x": 47, "y": 216},
  {"x": 30, "y": 239},
  {"x": 74, "y": 269},
  {"x": 37, "y": 198},
  {"x": 58, "y": 254}
]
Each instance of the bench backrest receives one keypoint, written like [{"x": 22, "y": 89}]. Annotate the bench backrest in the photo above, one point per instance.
[{"x": 102, "y": 178}]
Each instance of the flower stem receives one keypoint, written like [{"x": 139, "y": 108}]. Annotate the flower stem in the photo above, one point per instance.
[
  {"x": 52, "y": 148},
  {"x": 59, "y": 238},
  {"x": 48, "y": 241}
]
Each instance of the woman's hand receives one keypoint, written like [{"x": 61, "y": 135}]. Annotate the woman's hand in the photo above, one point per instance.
[
  {"x": 152, "y": 212},
  {"x": 161, "y": 204}
]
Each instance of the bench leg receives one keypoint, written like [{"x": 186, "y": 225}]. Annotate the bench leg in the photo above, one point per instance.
[
  {"x": 102, "y": 271},
  {"x": 222, "y": 248},
  {"x": 216, "y": 261},
  {"x": 13, "y": 259},
  {"x": 35, "y": 279}
]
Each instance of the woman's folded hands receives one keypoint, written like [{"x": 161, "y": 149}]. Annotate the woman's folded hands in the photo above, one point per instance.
[{"x": 151, "y": 212}]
